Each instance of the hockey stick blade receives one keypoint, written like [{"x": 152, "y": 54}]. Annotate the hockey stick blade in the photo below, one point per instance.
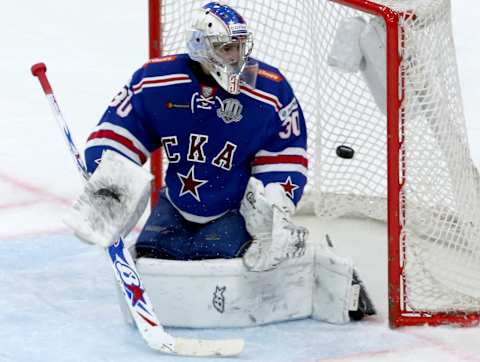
[
  {"x": 127, "y": 276},
  {"x": 147, "y": 322},
  {"x": 196, "y": 347},
  {"x": 159, "y": 340},
  {"x": 205, "y": 348}
]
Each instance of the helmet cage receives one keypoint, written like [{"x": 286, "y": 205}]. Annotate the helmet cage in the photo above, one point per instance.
[
  {"x": 229, "y": 53},
  {"x": 222, "y": 49}
]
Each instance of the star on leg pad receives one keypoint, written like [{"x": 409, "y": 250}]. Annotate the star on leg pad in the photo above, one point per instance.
[{"x": 190, "y": 184}]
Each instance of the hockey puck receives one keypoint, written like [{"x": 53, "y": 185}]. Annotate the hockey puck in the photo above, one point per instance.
[{"x": 345, "y": 152}]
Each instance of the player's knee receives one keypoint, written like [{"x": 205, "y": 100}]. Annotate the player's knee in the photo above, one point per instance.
[
  {"x": 225, "y": 238},
  {"x": 164, "y": 214}
]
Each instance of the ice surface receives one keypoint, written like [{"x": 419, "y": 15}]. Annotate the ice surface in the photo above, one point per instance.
[
  {"x": 58, "y": 301},
  {"x": 60, "y": 305}
]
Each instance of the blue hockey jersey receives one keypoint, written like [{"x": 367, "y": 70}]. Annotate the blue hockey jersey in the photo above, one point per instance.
[{"x": 214, "y": 141}]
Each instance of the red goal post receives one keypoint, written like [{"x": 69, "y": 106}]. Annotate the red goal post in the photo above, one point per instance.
[
  {"x": 155, "y": 51},
  {"x": 412, "y": 167}
]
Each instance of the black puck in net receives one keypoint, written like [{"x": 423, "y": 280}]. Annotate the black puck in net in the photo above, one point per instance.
[{"x": 344, "y": 151}]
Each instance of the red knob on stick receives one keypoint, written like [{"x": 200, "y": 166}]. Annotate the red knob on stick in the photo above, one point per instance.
[{"x": 39, "y": 70}]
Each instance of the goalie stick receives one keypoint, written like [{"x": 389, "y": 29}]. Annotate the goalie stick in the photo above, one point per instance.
[{"x": 127, "y": 276}]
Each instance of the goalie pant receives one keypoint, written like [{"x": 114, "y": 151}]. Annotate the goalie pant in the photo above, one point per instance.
[{"x": 167, "y": 235}]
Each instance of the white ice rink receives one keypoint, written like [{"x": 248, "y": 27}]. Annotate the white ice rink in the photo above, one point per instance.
[{"x": 57, "y": 297}]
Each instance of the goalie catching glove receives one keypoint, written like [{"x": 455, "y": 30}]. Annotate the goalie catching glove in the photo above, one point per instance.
[
  {"x": 267, "y": 213},
  {"x": 112, "y": 201}
]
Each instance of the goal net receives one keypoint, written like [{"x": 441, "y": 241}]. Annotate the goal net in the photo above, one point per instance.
[{"x": 411, "y": 165}]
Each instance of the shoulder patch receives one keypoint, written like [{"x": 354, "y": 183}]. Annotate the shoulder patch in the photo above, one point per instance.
[
  {"x": 164, "y": 59},
  {"x": 270, "y": 75}
]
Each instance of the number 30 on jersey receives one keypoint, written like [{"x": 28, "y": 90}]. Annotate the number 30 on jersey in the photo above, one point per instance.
[
  {"x": 122, "y": 102},
  {"x": 290, "y": 117}
]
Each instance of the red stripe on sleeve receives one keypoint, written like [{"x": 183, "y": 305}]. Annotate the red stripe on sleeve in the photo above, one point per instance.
[
  {"x": 266, "y": 97},
  {"x": 120, "y": 139},
  {"x": 269, "y": 160}
]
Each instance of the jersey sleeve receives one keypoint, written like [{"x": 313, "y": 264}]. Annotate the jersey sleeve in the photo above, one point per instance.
[
  {"x": 122, "y": 128},
  {"x": 283, "y": 158}
]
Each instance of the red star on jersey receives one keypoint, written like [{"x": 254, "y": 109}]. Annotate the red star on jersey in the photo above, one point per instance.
[
  {"x": 289, "y": 187},
  {"x": 190, "y": 184}
]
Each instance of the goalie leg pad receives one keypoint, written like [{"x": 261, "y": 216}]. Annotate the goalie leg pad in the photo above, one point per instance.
[
  {"x": 223, "y": 293},
  {"x": 333, "y": 294}
]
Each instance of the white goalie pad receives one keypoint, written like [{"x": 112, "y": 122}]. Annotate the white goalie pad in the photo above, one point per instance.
[
  {"x": 111, "y": 202},
  {"x": 223, "y": 293},
  {"x": 333, "y": 294}
]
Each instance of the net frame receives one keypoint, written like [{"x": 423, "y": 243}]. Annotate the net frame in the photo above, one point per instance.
[{"x": 399, "y": 313}]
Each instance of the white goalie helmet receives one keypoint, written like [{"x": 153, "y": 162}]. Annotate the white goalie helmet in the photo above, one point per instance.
[{"x": 220, "y": 41}]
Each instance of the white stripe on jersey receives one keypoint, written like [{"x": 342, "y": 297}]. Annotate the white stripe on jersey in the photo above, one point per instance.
[
  {"x": 280, "y": 167},
  {"x": 261, "y": 96},
  {"x": 115, "y": 145},
  {"x": 161, "y": 81},
  {"x": 297, "y": 151},
  {"x": 125, "y": 133}
]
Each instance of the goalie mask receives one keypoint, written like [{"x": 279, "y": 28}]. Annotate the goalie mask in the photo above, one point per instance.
[{"x": 220, "y": 41}]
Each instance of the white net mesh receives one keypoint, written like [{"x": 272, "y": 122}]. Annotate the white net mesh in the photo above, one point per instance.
[{"x": 440, "y": 209}]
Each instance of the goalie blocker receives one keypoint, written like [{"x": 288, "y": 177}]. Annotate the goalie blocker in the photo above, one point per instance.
[
  {"x": 224, "y": 293},
  {"x": 111, "y": 202}
]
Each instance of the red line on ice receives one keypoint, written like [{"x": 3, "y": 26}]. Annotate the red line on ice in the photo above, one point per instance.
[
  {"x": 14, "y": 205},
  {"x": 44, "y": 194},
  {"x": 34, "y": 233},
  {"x": 440, "y": 346}
]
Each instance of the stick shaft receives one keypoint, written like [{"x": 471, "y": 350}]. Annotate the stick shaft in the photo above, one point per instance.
[
  {"x": 126, "y": 273},
  {"x": 39, "y": 71},
  {"x": 124, "y": 268}
]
